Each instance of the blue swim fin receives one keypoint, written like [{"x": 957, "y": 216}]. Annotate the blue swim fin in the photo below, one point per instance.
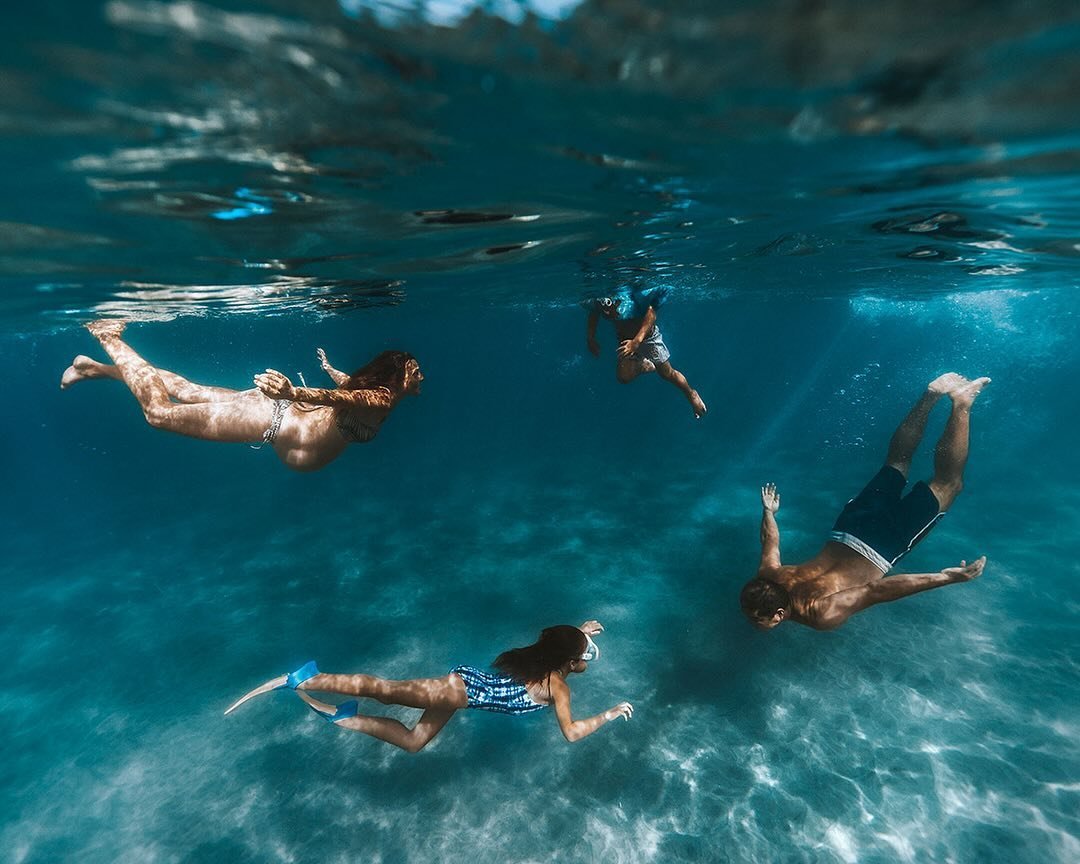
[
  {"x": 295, "y": 679},
  {"x": 343, "y": 711}
]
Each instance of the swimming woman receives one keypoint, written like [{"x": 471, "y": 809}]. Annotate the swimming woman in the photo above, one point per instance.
[
  {"x": 525, "y": 680},
  {"x": 308, "y": 427}
]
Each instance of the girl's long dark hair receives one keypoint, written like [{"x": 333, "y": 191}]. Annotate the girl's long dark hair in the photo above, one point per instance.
[
  {"x": 535, "y": 662},
  {"x": 386, "y": 370}
]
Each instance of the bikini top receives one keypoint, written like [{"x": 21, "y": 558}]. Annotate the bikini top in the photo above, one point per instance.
[{"x": 353, "y": 429}]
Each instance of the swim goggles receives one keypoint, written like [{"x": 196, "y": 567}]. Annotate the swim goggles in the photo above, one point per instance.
[
  {"x": 605, "y": 302},
  {"x": 591, "y": 652}
]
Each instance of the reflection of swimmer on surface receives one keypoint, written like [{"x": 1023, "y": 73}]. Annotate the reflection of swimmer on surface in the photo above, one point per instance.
[
  {"x": 875, "y": 529},
  {"x": 525, "y": 680},
  {"x": 641, "y": 348},
  {"x": 308, "y": 427}
]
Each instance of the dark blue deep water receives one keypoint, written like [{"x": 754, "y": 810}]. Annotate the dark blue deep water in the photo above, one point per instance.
[{"x": 845, "y": 199}]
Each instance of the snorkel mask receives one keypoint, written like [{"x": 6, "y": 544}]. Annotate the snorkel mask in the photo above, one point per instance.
[{"x": 591, "y": 652}]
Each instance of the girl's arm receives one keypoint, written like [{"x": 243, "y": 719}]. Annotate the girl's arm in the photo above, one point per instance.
[
  {"x": 277, "y": 386},
  {"x": 574, "y": 730},
  {"x": 336, "y": 375}
]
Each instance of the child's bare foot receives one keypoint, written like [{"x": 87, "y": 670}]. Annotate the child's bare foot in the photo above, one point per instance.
[
  {"x": 697, "y": 404},
  {"x": 946, "y": 383},
  {"x": 82, "y": 368},
  {"x": 106, "y": 328},
  {"x": 965, "y": 394}
]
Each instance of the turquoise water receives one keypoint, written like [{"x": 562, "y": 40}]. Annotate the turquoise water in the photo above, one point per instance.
[{"x": 844, "y": 205}]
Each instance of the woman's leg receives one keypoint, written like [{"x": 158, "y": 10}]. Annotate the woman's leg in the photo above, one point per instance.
[
  {"x": 447, "y": 692},
  {"x": 241, "y": 419},
  {"x": 437, "y": 694},
  {"x": 84, "y": 368},
  {"x": 388, "y": 729}
]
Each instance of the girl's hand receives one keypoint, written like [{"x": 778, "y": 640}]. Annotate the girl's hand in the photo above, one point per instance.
[
  {"x": 275, "y": 385},
  {"x": 623, "y": 709},
  {"x": 591, "y": 628},
  {"x": 322, "y": 359}
]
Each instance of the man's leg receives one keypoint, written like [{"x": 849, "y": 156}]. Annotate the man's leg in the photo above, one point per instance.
[
  {"x": 951, "y": 453},
  {"x": 909, "y": 433},
  {"x": 669, "y": 373},
  {"x": 629, "y": 368}
]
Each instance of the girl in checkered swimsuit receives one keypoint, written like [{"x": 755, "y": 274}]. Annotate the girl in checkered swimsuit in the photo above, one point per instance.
[{"x": 523, "y": 680}]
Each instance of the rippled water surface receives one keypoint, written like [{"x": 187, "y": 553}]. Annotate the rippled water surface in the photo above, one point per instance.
[{"x": 845, "y": 199}]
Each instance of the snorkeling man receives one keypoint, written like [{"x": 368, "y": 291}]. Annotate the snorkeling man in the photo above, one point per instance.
[
  {"x": 874, "y": 531},
  {"x": 641, "y": 348}
]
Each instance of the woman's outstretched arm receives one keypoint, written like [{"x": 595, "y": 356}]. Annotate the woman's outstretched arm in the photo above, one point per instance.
[
  {"x": 277, "y": 386},
  {"x": 336, "y": 375},
  {"x": 574, "y": 730}
]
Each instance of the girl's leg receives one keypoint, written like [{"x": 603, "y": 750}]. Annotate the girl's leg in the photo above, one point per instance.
[
  {"x": 388, "y": 729},
  {"x": 242, "y": 419},
  {"x": 83, "y": 368},
  {"x": 447, "y": 692}
]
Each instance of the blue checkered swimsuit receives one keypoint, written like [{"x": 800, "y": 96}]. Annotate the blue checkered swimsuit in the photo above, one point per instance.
[{"x": 490, "y": 691}]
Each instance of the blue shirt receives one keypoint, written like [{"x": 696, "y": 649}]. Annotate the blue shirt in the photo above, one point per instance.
[{"x": 631, "y": 304}]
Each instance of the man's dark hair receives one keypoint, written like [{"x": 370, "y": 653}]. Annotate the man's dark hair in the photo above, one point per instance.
[{"x": 760, "y": 598}]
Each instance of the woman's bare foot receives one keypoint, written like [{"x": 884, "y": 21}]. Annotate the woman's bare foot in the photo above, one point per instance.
[
  {"x": 965, "y": 393},
  {"x": 106, "y": 328},
  {"x": 946, "y": 383},
  {"x": 83, "y": 368},
  {"x": 697, "y": 404},
  {"x": 272, "y": 684}
]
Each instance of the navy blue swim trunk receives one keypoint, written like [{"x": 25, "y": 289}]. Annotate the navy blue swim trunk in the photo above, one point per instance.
[{"x": 882, "y": 526}]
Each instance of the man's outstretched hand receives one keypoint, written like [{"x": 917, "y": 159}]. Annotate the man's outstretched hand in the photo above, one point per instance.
[
  {"x": 770, "y": 498},
  {"x": 966, "y": 572}
]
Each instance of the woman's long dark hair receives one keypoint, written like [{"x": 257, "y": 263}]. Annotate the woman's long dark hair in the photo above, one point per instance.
[
  {"x": 535, "y": 662},
  {"x": 386, "y": 370}
]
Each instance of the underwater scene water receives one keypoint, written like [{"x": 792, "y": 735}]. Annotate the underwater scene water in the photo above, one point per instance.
[{"x": 840, "y": 200}]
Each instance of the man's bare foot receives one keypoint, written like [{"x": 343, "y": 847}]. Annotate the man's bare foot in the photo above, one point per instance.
[
  {"x": 106, "y": 328},
  {"x": 965, "y": 394},
  {"x": 83, "y": 368},
  {"x": 697, "y": 404},
  {"x": 946, "y": 383}
]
